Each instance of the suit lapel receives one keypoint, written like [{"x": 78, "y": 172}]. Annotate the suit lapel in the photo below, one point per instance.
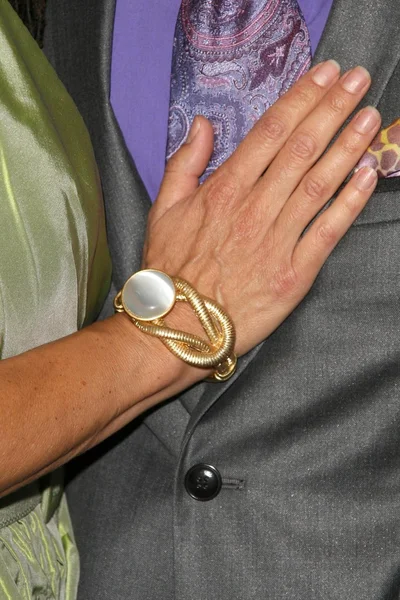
[
  {"x": 79, "y": 42},
  {"x": 353, "y": 35}
]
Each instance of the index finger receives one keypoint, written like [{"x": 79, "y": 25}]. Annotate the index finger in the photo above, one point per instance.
[{"x": 269, "y": 134}]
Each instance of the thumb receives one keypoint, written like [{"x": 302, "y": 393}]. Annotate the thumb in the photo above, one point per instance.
[{"x": 184, "y": 168}]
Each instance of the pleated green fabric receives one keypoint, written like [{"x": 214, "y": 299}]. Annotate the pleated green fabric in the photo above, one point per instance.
[
  {"x": 37, "y": 559},
  {"x": 54, "y": 276}
]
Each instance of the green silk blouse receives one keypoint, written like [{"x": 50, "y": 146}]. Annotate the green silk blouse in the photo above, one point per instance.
[{"x": 54, "y": 276}]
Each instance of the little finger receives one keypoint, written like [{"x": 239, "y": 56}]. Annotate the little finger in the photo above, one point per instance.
[{"x": 328, "y": 229}]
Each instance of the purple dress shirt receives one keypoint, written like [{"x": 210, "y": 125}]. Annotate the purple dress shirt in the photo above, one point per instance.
[{"x": 140, "y": 75}]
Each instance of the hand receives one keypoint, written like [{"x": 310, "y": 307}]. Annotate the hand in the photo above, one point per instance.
[{"x": 238, "y": 237}]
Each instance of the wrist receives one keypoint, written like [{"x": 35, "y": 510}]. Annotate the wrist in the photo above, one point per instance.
[
  {"x": 169, "y": 375},
  {"x": 159, "y": 307}
]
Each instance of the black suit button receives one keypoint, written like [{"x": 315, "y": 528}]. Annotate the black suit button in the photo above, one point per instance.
[{"x": 203, "y": 482}]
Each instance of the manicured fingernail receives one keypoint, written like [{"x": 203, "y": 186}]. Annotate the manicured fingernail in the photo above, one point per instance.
[
  {"x": 193, "y": 130},
  {"x": 366, "y": 120},
  {"x": 365, "y": 179},
  {"x": 356, "y": 80},
  {"x": 325, "y": 73}
]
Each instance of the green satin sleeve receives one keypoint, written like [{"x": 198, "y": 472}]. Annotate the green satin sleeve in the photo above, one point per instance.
[
  {"x": 54, "y": 275},
  {"x": 54, "y": 262}
]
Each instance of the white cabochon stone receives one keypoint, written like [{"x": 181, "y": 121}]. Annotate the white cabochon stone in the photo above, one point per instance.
[{"x": 148, "y": 295}]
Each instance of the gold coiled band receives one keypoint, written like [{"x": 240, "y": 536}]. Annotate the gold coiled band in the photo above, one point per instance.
[{"x": 216, "y": 352}]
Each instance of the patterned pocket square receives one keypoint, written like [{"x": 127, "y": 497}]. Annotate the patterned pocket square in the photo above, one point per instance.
[{"x": 383, "y": 155}]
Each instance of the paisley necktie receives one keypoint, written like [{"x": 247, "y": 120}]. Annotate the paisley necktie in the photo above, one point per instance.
[{"x": 232, "y": 59}]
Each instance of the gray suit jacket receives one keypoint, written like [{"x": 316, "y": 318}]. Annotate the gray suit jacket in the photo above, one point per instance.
[{"x": 306, "y": 436}]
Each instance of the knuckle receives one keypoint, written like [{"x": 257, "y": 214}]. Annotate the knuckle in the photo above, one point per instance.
[
  {"x": 221, "y": 191},
  {"x": 304, "y": 95},
  {"x": 351, "y": 204},
  {"x": 271, "y": 128},
  {"x": 326, "y": 234},
  {"x": 248, "y": 222},
  {"x": 302, "y": 146},
  {"x": 349, "y": 146},
  {"x": 285, "y": 282},
  {"x": 315, "y": 187},
  {"x": 337, "y": 104}
]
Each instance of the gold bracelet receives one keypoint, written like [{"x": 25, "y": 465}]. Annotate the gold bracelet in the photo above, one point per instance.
[{"x": 149, "y": 295}]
